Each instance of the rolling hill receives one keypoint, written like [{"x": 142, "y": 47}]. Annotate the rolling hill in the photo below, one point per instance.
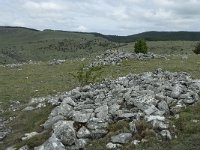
[
  {"x": 155, "y": 36},
  {"x": 20, "y": 44}
]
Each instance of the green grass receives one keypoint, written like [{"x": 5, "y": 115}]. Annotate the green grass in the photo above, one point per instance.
[{"x": 166, "y": 47}]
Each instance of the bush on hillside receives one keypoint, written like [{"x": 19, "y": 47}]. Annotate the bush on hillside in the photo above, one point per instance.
[
  {"x": 197, "y": 49},
  {"x": 141, "y": 46}
]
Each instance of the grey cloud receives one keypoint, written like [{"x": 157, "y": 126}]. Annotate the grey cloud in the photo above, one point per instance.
[{"x": 106, "y": 16}]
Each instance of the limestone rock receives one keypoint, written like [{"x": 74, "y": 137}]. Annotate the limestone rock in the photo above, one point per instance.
[
  {"x": 64, "y": 131},
  {"x": 83, "y": 132},
  {"x": 121, "y": 138},
  {"x": 51, "y": 144}
]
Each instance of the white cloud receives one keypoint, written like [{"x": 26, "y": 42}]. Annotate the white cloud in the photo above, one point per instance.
[
  {"x": 42, "y": 5},
  {"x": 81, "y": 28},
  {"x": 106, "y": 16}
]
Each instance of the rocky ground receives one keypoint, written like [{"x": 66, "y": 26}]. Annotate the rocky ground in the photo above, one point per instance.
[
  {"x": 113, "y": 57},
  {"x": 85, "y": 113}
]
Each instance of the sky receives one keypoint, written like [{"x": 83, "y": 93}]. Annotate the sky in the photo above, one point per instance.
[{"x": 116, "y": 17}]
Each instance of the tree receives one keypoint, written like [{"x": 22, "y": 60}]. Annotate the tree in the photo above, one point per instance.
[
  {"x": 141, "y": 46},
  {"x": 197, "y": 48}
]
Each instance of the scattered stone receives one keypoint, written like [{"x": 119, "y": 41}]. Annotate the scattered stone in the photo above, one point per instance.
[
  {"x": 28, "y": 136},
  {"x": 24, "y": 148},
  {"x": 83, "y": 132},
  {"x": 11, "y": 148},
  {"x": 121, "y": 138},
  {"x": 81, "y": 117},
  {"x": 135, "y": 142},
  {"x": 2, "y": 135},
  {"x": 112, "y": 145},
  {"x": 64, "y": 131},
  {"x": 51, "y": 144},
  {"x": 52, "y": 120},
  {"x": 102, "y": 112},
  {"x": 166, "y": 134},
  {"x": 111, "y": 57},
  {"x": 132, "y": 127},
  {"x": 28, "y": 108},
  {"x": 163, "y": 106},
  {"x": 80, "y": 143}
]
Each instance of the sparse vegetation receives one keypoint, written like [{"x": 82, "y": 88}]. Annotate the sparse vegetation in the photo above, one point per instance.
[
  {"x": 86, "y": 75},
  {"x": 141, "y": 46},
  {"x": 197, "y": 48}
]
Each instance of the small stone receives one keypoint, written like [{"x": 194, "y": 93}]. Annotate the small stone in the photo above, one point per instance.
[
  {"x": 80, "y": 143},
  {"x": 166, "y": 134},
  {"x": 24, "y": 148},
  {"x": 52, "y": 120},
  {"x": 83, "y": 132},
  {"x": 28, "y": 136},
  {"x": 2, "y": 135},
  {"x": 163, "y": 106},
  {"x": 28, "y": 108},
  {"x": 51, "y": 144},
  {"x": 98, "y": 133},
  {"x": 151, "y": 118},
  {"x": 102, "y": 112},
  {"x": 121, "y": 138},
  {"x": 176, "y": 91},
  {"x": 132, "y": 127},
  {"x": 81, "y": 117},
  {"x": 112, "y": 145},
  {"x": 65, "y": 132},
  {"x": 135, "y": 142},
  {"x": 150, "y": 110},
  {"x": 68, "y": 100},
  {"x": 159, "y": 124},
  {"x": 96, "y": 123},
  {"x": 189, "y": 101},
  {"x": 126, "y": 115}
]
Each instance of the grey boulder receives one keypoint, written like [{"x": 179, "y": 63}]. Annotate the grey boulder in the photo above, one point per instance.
[{"x": 121, "y": 138}]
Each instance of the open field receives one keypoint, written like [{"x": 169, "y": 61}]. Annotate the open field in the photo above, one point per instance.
[{"x": 29, "y": 81}]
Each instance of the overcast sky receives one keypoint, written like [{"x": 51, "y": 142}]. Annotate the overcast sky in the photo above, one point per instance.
[{"x": 118, "y": 17}]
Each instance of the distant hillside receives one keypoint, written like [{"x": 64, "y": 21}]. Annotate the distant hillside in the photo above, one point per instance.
[
  {"x": 18, "y": 44},
  {"x": 155, "y": 36}
]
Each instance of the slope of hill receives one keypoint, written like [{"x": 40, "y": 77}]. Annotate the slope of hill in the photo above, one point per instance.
[
  {"x": 155, "y": 36},
  {"x": 19, "y": 44},
  {"x": 23, "y": 44}
]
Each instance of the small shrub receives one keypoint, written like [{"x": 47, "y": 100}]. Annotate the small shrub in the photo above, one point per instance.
[
  {"x": 87, "y": 75},
  {"x": 197, "y": 49},
  {"x": 141, "y": 46}
]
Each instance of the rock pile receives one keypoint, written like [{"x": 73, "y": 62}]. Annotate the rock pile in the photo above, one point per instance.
[
  {"x": 4, "y": 129},
  {"x": 86, "y": 112},
  {"x": 56, "y": 62},
  {"x": 111, "y": 57}
]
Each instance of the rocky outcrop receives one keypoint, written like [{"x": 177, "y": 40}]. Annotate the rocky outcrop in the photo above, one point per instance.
[{"x": 111, "y": 57}]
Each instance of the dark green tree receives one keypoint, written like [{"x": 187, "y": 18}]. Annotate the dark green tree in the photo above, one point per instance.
[
  {"x": 141, "y": 46},
  {"x": 197, "y": 49}
]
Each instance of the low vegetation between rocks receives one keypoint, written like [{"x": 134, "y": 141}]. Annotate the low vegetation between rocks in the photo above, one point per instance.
[{"x": 145, "y": 102}]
